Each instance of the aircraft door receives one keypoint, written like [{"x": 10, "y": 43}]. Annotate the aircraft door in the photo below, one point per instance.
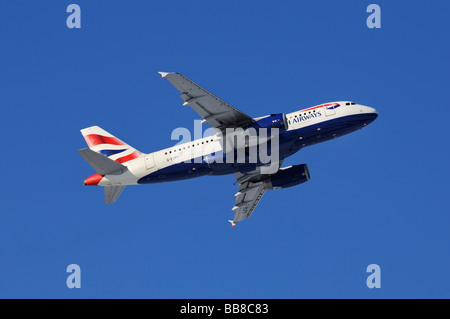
[{"x": 150, "y": 161}]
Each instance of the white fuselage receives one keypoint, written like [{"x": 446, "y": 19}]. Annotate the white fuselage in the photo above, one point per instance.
[{"x": 299, "y": 121}]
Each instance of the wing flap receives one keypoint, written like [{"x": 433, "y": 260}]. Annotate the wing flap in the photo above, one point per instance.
[
  {"x": 251, "y": 190},
  {"x": 248, "y": 196}
]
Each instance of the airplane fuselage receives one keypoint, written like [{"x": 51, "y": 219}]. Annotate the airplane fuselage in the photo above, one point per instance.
[{"x": 192, "y": 159}]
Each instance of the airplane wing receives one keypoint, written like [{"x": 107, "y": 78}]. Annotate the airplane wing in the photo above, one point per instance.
[
  {"x": 218, "y": 113},
  {"x": 247, "y": 198},
  {"x": 251, "y": 190}
]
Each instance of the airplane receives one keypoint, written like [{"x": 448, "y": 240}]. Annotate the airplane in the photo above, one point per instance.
[{"x": 118, "y": 164}]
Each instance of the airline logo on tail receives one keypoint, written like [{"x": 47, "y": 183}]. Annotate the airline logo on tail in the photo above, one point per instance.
[{"x": 106, "y": 144}]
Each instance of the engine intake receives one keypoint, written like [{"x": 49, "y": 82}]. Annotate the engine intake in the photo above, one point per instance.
[{"x": 288, "y": 177}]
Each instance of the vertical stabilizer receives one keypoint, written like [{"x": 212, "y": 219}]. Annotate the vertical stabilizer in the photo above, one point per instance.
[{"x": 110, "y": 146}]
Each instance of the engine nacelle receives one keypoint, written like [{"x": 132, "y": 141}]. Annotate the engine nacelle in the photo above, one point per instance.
[
  {"x": 272, "y": 121},
  {"x": 288, "y": 177}
]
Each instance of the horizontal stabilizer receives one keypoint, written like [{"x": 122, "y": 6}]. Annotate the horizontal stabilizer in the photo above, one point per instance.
[
  {"x": 100, "y": 163},
  {"x": 112, "y": 193}
]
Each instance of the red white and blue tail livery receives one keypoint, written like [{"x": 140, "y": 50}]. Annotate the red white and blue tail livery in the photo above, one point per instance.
[{"x": 108, "y": 145}]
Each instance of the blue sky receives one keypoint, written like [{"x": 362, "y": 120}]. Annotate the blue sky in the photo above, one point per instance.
[{"x": 379, "y": 195}]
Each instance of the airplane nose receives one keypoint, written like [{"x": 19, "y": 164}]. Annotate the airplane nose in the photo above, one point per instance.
[
  {"x": 368, "y": 109},
  {"x": 370, "y": 113},
  {"x": 373, "y": 113}
]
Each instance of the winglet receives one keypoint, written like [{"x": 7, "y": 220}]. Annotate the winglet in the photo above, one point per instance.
[
  {"x": 164, "y": 74},
  {"x": 232, "y": 223}
]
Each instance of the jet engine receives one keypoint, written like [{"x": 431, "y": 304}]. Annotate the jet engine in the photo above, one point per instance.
[{"x": 288, "y": 177}]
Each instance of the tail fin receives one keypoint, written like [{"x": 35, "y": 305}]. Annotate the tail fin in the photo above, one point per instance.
[{"x": 108, "y": 145}]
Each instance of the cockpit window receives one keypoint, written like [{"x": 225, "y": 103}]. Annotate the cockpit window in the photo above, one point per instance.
[{"x": 352, "y": 103}]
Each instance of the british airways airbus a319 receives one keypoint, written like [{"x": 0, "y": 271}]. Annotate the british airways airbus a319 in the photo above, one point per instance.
[{"x": 118, "y": 164}]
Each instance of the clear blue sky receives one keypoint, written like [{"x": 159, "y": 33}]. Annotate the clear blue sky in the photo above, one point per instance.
[{"x": 379, "y": 195}]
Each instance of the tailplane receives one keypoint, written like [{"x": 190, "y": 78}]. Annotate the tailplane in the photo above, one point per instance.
[
  {"x": 101, "y": 164},
  {"x": 112, "y": 193}
]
